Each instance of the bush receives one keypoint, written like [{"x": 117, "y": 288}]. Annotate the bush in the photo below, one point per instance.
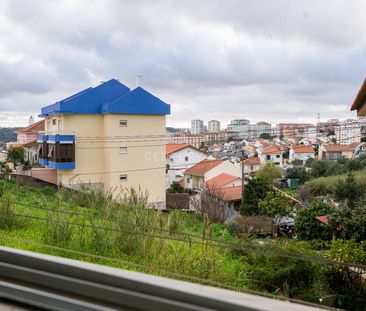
[
  {"x": 254, "y": 191},
  {"x": 308, "y": 228}
]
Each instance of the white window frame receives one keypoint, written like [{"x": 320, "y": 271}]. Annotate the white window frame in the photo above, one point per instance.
[
  {"x": 123, "y": 150},
  {"x": 123, "y": 177},
  {"x": 123, "y": 123}
]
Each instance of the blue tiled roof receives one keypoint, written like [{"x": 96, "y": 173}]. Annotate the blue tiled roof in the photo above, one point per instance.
[
  {"x": 138, "y": 101},
  {"x": 109, "y": 97}
]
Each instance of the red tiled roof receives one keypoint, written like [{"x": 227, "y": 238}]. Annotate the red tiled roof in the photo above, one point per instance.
[
  {"x": 252, "y": 161},
  {"x": 323, "y": 219},
  {"x": 354, "y": 145},
  {"x": 230, "y": 193},
  {"x": 220, "y": 180},
  {"x": 272, "y": 149},
  {"x": 202, "y": 167},
  {"x": 303, "y": 149},
  {"x": 33, "y": 128},
  {"x": 337, "y": 148},
  {"x": 171, "y": 148},
  {"x": 30, "y": 144}
]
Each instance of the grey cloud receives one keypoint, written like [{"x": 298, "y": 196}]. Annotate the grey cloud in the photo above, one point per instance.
[{"x": 210, "y": 59}]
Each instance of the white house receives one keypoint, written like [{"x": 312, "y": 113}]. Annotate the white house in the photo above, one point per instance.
[
  {"x": 180, "y": 157},
  {"x": 301, "y": 153},
  {"x": 203, "y": 171},
  {"x": 272, "y": 154},
  {"x": 251, "y": 165}
]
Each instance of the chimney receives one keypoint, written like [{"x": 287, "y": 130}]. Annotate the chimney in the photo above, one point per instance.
[
  {"x": 31, "y": 120},
  {"x": 139, "y": 80}
]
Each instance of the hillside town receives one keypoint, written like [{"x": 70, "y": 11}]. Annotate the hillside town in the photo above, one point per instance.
[{"x": 165, "y": 155}]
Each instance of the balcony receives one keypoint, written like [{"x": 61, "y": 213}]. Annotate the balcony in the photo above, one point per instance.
[{"x": 56, "y": 151}]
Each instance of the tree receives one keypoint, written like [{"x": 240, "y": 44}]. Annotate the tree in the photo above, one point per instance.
[
  {"x": 308, "y": 228},
  {"x": 254, "y": 191},
  {"x": 269, "y": 173},
  {"x": 309, "y": 162},
  {"x": 319, "y": 168},
  {"x": 275, "y": 205},
  {"x": 16, "y": 154},
  {"x": 297, "y": 173},
  {"x": 348, "y": 190},
  {"x": 175, "y": 187},
  {"x": 265, "y": 136}
]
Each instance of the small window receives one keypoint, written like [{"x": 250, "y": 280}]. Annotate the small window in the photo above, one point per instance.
[
  {"x": 186, "y": 159},
  {"x": 171, "y": 160},
  {"x": 53, "y": 121},
  {"x": 123, "y": 123},
  {"x": 268, "y": 157},
  {"x": 123, "y": 150},
  {"x": 123, "y": 177},
  {"x": 278, "y": 156}
]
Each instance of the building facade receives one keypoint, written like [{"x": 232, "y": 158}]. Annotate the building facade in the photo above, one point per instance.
[
  {"x": 348, "y": 132},
  {"x": 180, "y": 157},
  {"x": 109, "y": 137},
  {"x": 197, "y": 126},
  {"x": 214, "y": 126}
]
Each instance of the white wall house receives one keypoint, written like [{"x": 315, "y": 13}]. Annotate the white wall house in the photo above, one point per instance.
[
  {"x": 272, "y": 154},
  {"x": 180, "y": 157},
  {"x": 205, "y": 170},
  {"x": 301, "y": 153},
  {"x": 251, "y": 165}
]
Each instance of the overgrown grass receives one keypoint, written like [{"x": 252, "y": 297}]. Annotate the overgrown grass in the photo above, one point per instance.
[
  {"x": 91, "y": 227},
  {"x": 327, "y": 185}
]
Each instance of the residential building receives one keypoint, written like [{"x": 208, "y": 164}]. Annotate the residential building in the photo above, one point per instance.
[
  {"x": 359, "y": 104},
  {"x": 358, "y": 149},
  {"x": 327, "y": 128},
  {"x": 348, "y": 131},
  {"x": 108, "y": 137},
  {"x": 223, "y": 180},
  {"x": 334, "y": 152},
  {"x": 27, "y": 138},
  {"x": 214, "y": 126},
  {"x": 296, "y": 131},
  {"x": 196, "y": 140},
  {"x": 180, "y": 157},
  {"x": 198, "y": 174},
  {"x": 264, "y": 128},
  {"x": 197, "y": 126},
  {"x": 272, "y": 154},
  {"x": 301, "y": 153},
  {"x": 231, "y": 198},
  {"x": 238, "y": 125},
  {"x": 30, "y": 133},
  {"x": 251, "y": 165}
]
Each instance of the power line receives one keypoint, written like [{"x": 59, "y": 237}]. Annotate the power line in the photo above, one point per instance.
[{"x": 233, "y": 246}]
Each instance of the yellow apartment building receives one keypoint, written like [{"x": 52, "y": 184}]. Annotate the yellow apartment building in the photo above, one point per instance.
[{"x": 110, "y": 137}]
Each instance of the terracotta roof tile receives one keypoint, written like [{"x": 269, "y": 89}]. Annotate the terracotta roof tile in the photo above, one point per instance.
[
  {"x": 272, "y": 149},
  {"x": 35, "y": 127},
  {"x": 220, "y": 180},
  {"x": 337, "y": 148},
  {"x": 252, "y": 161},
  {"x": 202, "y": 167},
  {"x": 171, "y": 148},
  {"x": 303, "y": 149},
  {"x": 230, "y": 193}
]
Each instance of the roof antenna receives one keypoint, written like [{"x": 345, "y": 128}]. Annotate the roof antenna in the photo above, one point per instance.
[{"x": 139, "y": 80}]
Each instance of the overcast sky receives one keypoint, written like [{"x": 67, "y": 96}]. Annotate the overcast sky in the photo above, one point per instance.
[{"x": 263, "y": 60}]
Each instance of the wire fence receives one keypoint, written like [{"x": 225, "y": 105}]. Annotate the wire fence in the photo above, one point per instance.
[{"x": 179, "y": 236}]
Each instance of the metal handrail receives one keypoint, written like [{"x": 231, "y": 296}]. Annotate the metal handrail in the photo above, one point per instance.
[{"x": 56, "y": 283}]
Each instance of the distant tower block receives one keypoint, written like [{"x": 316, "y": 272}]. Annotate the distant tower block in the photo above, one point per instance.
[{"x": 31, "y": 120}]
